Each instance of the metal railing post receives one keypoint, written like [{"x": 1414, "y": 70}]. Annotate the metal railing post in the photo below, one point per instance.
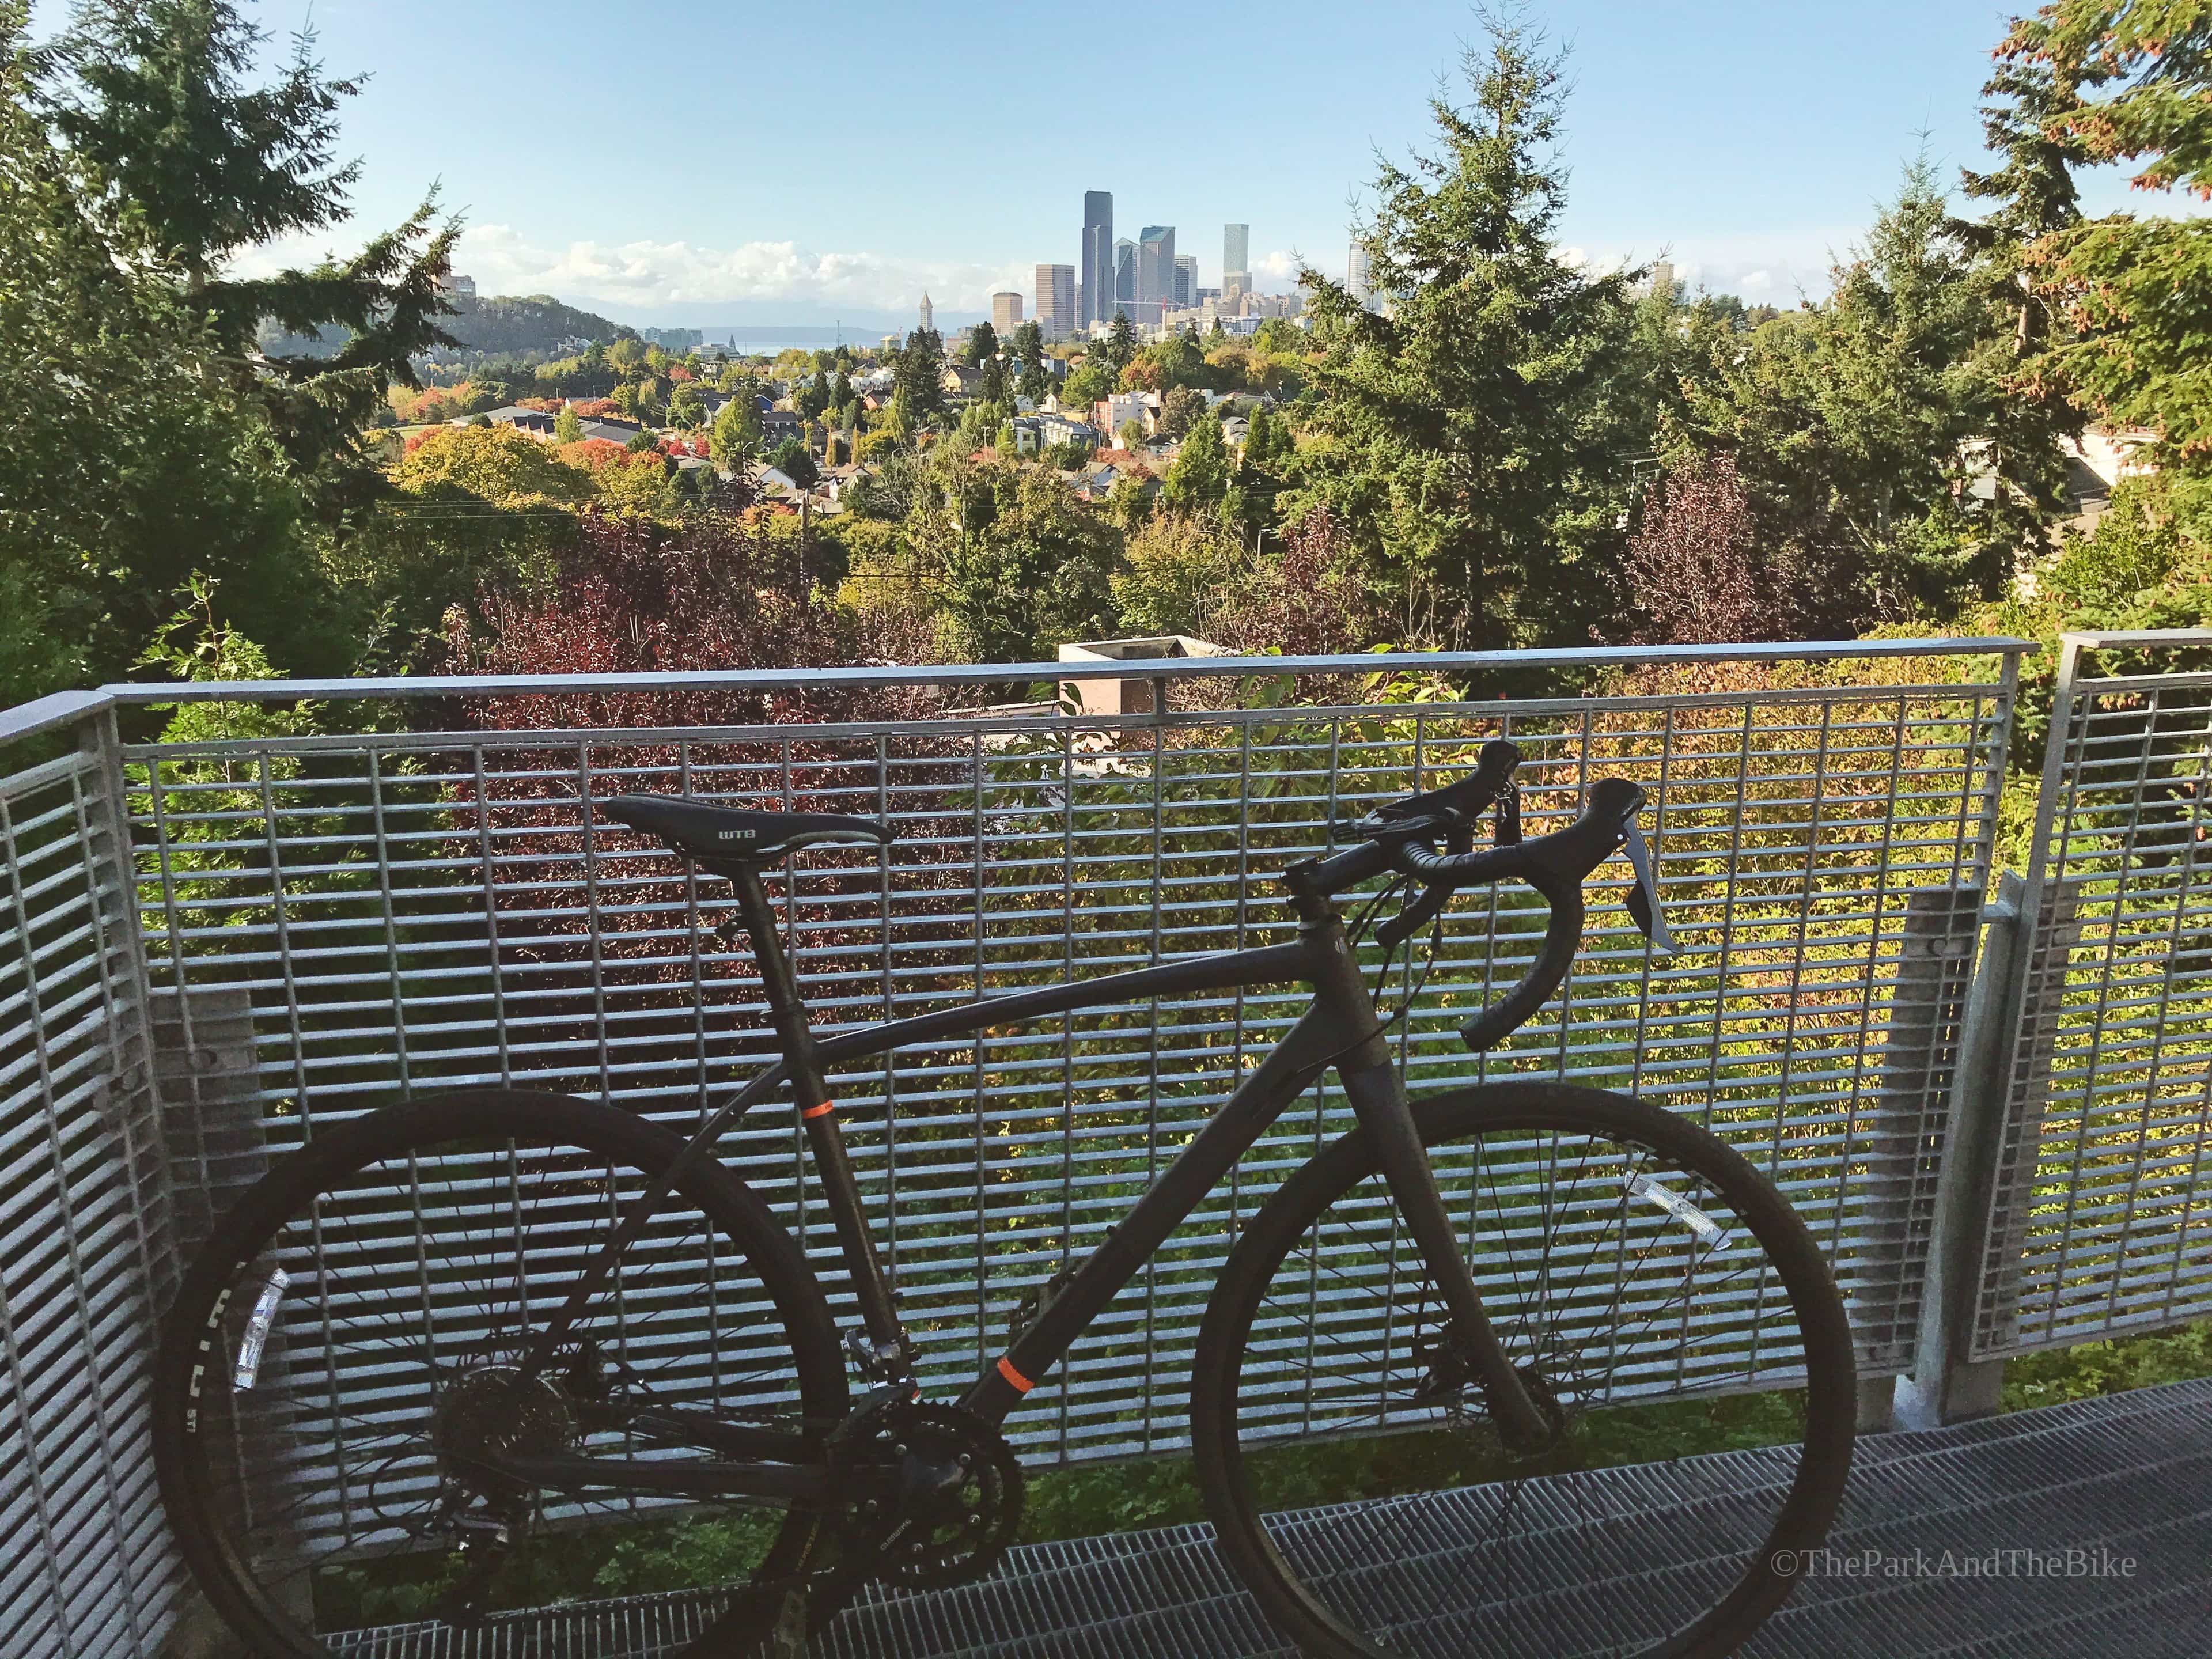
[
  {"x": 1944, "y": 1386},
  {"x": 1919, "y": 1063}
]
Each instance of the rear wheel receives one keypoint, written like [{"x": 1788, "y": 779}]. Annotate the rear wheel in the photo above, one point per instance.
[
  {"x": 1657, "y": 1295},
  {"x": 349, "y": 1342}
]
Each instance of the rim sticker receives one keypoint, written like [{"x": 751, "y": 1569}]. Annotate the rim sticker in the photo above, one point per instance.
[
  {"x": 1709, "y": 1231},
  {"x": 247, "y": 1372}
]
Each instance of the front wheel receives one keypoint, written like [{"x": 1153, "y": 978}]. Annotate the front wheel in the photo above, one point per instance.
[{"x": 1657, "y": 1296}]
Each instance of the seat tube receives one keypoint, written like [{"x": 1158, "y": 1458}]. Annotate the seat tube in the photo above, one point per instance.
[
  {"x": 817, "y": 1114},
  {"x": 1378, "y": 1101}
]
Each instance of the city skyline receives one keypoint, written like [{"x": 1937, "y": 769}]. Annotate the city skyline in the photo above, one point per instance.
[{"x": 1799, "y": 123}]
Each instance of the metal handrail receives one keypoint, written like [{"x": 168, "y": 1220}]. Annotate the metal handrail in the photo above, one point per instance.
[{"x": 137, "y": 693}]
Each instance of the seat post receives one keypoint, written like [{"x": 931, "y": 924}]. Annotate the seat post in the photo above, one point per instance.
[{"x": 817, "y": 1112}]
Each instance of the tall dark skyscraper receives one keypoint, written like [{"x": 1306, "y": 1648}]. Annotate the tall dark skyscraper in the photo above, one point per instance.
[
  {"x": 1098, "y": 277},
  {"x": 1155, "y": 257}
]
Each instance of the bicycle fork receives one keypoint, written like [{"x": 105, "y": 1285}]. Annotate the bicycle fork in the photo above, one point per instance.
[{"x": 1370, "y": 1084}]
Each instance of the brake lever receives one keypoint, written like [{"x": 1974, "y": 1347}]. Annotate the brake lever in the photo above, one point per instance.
[{"x": 1643, "y": 897}]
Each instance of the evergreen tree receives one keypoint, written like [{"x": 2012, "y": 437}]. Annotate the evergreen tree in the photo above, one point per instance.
[
  {"x": 1119, "y": 349},
  {"x": 2124, "y": 81},
  {"x": 814, "y": 397},
  {"x": 736, "y": 437},
  {"x": 154, "y": 95},
  {"x": 918, "y": 375},
  {"x": 567, "y": 428},
  {"x": 1029, "y": 347},
  {"x": 131, "y": 466},
  {"x": 1462, "y": 437},
  {"x": 1249, "y": 503},
  {"x": 982, "y": 346},
  {"x": 1861, "y": 427},
  {"x": 1200, "y": 477}
]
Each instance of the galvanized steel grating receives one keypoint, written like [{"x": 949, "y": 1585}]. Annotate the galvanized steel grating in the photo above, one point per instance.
[
  {"x": 2131, "y": 1474},
  {"x": 84, "y": 1251},
  {"x": 2102, "y": 1212},
  {"x": 411, "y": 911}
]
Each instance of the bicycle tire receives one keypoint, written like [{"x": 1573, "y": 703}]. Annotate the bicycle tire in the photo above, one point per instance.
[
  {"x": 195, "y": 1407},
  {"x": 1353, "y": 1599}
]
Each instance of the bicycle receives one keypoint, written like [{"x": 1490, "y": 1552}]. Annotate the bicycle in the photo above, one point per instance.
[{"x": 413, "y": 1378}]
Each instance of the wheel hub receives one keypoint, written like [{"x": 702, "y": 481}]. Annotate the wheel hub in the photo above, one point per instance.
[{"x": 493, "y": 1411}]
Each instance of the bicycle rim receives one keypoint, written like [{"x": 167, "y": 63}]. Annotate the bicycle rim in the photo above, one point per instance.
[
  {"x": 1659, "y": 1299},
  {"x": 351, "y": 1337}
]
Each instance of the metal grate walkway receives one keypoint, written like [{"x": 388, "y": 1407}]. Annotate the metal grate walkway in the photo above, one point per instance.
[{"x": 2131, "y": 1473}]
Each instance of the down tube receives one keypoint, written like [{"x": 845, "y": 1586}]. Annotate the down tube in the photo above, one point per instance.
[{"x": 1290, "y": 1069}]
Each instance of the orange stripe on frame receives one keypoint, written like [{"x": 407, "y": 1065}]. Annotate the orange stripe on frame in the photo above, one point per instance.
[
  {"x": 817, "y": 1111},
  {"x": 1021, "y": 1383}
]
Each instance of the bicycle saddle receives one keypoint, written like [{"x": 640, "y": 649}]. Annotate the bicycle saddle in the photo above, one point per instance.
[{"x": 710, "y": 833}]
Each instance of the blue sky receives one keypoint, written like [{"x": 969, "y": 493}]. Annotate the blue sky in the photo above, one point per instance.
[{"x": 753, "y": 164}]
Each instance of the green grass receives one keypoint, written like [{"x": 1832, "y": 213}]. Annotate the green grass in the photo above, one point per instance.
[{"x": 2090, "y": 1369}]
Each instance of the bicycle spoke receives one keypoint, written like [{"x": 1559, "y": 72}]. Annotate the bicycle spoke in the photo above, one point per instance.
[{"x": 1420, "y": 1525}]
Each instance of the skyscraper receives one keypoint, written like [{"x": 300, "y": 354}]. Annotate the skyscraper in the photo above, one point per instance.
[
  {"x": 928, "y": 314},
  {"x": 1125, "y": 279},
  {"x": 1005, "y": 313},
  {"x": 1055, "y": 300},
  {"x": 1186, "y": 279},
  {"x": 1236, "y": 256},
  {"x": 1355, "y": 274},
  {"x": 1098, "y": 255},
  {"x": 1155, "y": 259}
]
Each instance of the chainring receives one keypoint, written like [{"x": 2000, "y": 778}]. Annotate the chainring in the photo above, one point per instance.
[{"x": 960, "y": 1502}]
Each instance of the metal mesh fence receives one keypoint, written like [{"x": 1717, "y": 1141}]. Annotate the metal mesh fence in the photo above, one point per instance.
[
  {"x": 2102, "y": 1212},
  {"x": 407, "y": 911},
  {"x": 84, "y": 1254}
]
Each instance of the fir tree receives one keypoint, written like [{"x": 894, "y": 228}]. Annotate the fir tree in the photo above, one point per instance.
[
  {"x": 1460, "y": 434},
  {"x": 154, "y": 95}
]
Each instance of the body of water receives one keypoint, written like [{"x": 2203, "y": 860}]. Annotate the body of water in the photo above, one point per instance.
[{"x": 769, "y": 341}]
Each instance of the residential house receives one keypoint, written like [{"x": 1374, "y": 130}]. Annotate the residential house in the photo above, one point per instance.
[
  {"x": 536, "y": 422},
  {"x": 1056, "y": 429}
]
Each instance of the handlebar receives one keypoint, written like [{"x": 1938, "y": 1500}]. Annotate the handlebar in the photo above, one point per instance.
[{"x": 1556, "y": 866}]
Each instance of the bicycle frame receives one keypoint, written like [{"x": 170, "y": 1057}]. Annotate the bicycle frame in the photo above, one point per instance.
[{"x": 1340, "y": 1030}]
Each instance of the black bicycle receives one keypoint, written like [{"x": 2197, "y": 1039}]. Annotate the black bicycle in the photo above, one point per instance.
[{"x": 441, "y": 1369}]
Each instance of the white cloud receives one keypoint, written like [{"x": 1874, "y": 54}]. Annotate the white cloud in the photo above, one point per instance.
[{"x": 645, "y": 274}]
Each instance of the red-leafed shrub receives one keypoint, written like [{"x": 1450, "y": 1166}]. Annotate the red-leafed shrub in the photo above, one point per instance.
[
  {"x": 1696, "y": 571},
  {"x": 635, "y": 597}
]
